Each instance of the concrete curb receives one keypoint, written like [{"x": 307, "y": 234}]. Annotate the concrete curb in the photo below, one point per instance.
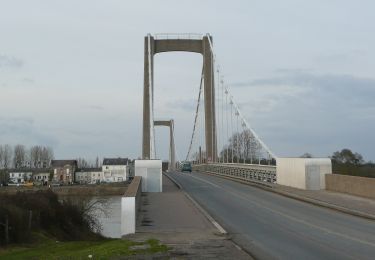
[
  {"x": 300, "y": 198},
  {"x": 196, "y": 204}
]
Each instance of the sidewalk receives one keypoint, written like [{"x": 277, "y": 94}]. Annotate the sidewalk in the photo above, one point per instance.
[{"x": 173, "y": 219}]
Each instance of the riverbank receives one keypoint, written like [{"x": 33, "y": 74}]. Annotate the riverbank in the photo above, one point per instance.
[{"x": 108, "y": 189}]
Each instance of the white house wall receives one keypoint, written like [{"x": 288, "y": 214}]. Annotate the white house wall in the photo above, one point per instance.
[{"x": 115, "y": 173}]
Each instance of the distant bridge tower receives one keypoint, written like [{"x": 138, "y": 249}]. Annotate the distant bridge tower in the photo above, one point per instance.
[
  {"x": 172, "y": 149},
  {"x": 189, "y": 43}
]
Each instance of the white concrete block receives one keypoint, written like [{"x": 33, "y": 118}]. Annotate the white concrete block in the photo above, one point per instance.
[
  {"x": 128, "y": 215},
  {"x": 303, "y": 173},
  {"x": 151, "y": 173}
]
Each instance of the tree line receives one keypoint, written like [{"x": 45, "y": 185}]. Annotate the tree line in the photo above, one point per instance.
[
  {"x": 241, "y": 147},
  {"x": 37, "y": 156},
  {"x": 84, "y": 163},
  {"x": 348, "y": 162},
  {"x": 19, "y": 156}
]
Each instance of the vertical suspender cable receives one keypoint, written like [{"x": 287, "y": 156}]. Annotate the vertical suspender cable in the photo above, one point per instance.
[
  {"x": 238, "y": 139},
  {"x": 245, "y": 140},
  {"x": 217, "y": 121},
  {"x": 213, "y": 154},
  {"x": 203, "y": 136},
  {"x": 231, "y": 125},
  {"x": 222, "y": 118},
  {"x": 227, "y": 121},
  {"x": 251, "y": 148}
]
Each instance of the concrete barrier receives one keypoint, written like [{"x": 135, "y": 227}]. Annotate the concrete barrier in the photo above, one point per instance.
[
  {"x": 130, "y": 204},
  {"x": 359, "y": 186}
]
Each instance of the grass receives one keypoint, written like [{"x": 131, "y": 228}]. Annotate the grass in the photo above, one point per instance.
[{"x": 103, "y": 249}]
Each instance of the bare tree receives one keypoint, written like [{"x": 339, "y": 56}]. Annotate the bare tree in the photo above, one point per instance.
[
  {"x": 7, "y": 156},
  {"x": 41, "y": 156},
  {"x": 242, "y": 147},
  {"x": 19, "y": 157},
  {"x": 1, "y": 156},
  {"x": 97, "y": 162},
  {"x": 252, "y": 148},
  {"x": 46, "y": 156},
  {"x": 82, "y": 163},
  {"x": 35, "y": 156}
]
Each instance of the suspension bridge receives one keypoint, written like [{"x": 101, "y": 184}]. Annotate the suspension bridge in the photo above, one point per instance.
[
  {"x": 222, "y": 140},
  {"x": 224, "y": 143}
]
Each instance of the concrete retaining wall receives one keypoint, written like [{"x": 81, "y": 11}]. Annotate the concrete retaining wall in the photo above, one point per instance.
[
  {"x": 360, "y": 186},
  {"x": 130, "y": 204}
]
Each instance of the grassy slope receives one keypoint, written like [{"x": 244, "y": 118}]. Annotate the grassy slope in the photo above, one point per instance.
[{"x": 104, "y": 249}]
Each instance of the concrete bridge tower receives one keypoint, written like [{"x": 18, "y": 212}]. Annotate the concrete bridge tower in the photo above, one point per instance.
[
  {"x": 202, "y": 45},
  {"x": 172, "y": 149}
]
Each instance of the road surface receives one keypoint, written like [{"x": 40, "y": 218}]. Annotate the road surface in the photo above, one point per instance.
[{"x": 272, "y": 226}]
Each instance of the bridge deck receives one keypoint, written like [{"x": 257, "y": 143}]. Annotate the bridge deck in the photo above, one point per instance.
[{"x": 274, "y": 226}]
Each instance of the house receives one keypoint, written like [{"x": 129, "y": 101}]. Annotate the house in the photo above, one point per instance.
[
  {"x": 41, "y": 176},
  {"x": 89, "y": 175},
  {"x": 64, "y": 170},
  {"x": 115, "y": 169},
  {"x": 20, "y": 175}
]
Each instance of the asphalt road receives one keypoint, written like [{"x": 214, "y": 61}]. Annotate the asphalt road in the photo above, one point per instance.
[{"x": 272, "y": 226}]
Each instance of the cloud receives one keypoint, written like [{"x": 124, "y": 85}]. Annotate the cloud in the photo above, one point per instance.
[
  {"x": 96, "y": 107},
  {"x": 183, "y": 104},
  {"x": 28, "y": 80},
  {"x": 15, "y": 125},
  {"x": 355, "y": 90},
  {"x": 22, "y": 130},
  {"x": 10, "y": 61},
  {"x": 300, "y": 111}
]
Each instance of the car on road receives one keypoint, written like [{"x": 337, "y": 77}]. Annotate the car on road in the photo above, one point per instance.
[{"x": 186, "y": 167}]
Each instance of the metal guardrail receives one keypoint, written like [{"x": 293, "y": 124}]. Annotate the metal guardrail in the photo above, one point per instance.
[
  {"x": 167, "y": 36},
  {"x": 247, "y": 172}
]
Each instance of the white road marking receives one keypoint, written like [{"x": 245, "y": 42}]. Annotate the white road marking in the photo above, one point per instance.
[
  {"x": 202, "y": 210},
  {"x": 206, "y": 214}
]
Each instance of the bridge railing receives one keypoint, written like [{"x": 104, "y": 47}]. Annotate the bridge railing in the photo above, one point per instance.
[{"x": 246, "y": 172}]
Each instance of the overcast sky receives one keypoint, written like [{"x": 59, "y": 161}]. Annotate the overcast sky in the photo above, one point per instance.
[{"x": 71, "y": 72}]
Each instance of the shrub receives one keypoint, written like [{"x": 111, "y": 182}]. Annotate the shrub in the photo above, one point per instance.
[{"x": 43, "y": 211}]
